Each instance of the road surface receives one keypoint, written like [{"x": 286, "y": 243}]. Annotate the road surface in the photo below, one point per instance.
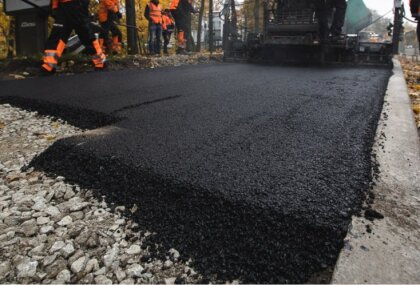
[{"x": 252, "y": 171}]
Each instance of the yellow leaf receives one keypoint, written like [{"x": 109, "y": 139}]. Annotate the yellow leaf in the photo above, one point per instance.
[
  {"x": 416, "y": 108},
  {"x": 50, "y": 137}
]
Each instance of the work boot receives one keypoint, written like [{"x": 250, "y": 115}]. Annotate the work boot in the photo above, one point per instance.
[
  {"x": 181, "y": 51},
  {"x": 335, "y": 32},
  {"x": 116, "y": 46},
  {"x": 99, "y": 61},
  {"x": 336, "y": 37},
  {"x": 50, "y": 61},
  {"x": 51, "y": 56},
  {"x": 99, "y": 58}
]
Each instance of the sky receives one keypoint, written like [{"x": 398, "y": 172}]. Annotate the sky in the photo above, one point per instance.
[{"x": 383, "y": 6}]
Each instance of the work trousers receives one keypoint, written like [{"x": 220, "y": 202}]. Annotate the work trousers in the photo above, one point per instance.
[
  {"x": 324, "y": 10},
  {"x": 181, "y": 27},
  {"x": 155, "y": 34},
  {"x": 166, "y": 38},
  {"x": 339, "y": 16},
  {"x": 110, "y": 26},
  {"x": 71, "y": 16}
]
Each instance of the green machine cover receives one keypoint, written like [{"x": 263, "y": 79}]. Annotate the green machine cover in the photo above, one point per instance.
[{"x": 358, "y": 16}]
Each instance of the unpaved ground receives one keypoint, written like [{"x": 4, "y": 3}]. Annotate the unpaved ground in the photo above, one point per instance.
[
  {"x": 412, "y": 75},
  {"x": 55, "y": 232},
  {"x": 23, "y": 68}
]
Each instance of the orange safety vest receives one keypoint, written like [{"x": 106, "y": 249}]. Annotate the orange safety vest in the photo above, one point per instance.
[
  {"x": 104, "y": 7},
  {"x": 174, "y": 4},
  {"x": 166, "y": 21},
  {"x": 155, "y": 13}
]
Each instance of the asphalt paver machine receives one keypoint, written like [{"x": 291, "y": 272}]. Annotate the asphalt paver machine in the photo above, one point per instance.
[{"x": 291, "y": 33}]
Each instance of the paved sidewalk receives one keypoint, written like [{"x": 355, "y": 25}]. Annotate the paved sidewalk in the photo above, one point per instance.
[{"x": 388, "y": 250}]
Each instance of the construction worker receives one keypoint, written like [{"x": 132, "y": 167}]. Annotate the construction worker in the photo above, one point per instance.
[
  {"x": 323, "y": 11},
  {"x": 109, "y": 14},
  {"x": 415, "y": 13},
  {"x": 168, "y": 28},
  {"x": 71, "y": 15},
  {"x": 153, "y": 13},
  {"x": 180, "y": 9}
]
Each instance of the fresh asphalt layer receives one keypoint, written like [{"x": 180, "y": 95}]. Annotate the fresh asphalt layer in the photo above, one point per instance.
[{"x": 252, "y": 171}]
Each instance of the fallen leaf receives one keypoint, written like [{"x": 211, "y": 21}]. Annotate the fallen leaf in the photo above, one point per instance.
[
  {"x": 12, "y": 178},
  {"x": 50, "y": 137},
  {"x": 416, "y": 108}
]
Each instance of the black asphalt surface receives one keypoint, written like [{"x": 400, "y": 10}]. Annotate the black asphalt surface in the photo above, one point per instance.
[{"x": 253, "y": 171}]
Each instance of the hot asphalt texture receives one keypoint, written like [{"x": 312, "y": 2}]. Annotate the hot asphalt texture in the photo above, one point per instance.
[{"x": 253, "y": 171}]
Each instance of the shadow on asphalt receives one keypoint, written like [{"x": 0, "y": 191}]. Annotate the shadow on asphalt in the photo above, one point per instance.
[
  {"x": 226, "y": 238},
  {"x": 84, "y": 119}
]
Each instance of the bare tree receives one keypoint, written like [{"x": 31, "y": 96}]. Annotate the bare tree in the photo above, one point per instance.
[
  {"x": 234, "y": 18},
  {"x": 257, "y": 16},
  {"x": 131, "y": 27},
  {"x": 200, "y": 24},
  {"x": 211, "y": 30}
]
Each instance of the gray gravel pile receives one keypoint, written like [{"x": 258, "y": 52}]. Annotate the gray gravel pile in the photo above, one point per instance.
[{"x": 54, "y": 232}]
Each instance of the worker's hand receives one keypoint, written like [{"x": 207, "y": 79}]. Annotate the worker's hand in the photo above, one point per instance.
[{"x": 119, "y": 15}]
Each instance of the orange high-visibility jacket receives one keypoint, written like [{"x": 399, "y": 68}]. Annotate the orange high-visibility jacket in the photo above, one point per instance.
[
  {"x": 174, "y": 4},
  {"x": 166, "y": 21},
  {"x": 56, "y": 2},
  {"x": 104, "y": 7},
  {"x": 155, "y": 13}
]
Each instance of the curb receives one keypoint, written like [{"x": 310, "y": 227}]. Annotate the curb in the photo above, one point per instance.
[{"x": 386, "y": 250}]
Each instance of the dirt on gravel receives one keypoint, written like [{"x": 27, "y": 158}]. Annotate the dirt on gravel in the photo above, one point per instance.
[{"x": 22, "y": 68}]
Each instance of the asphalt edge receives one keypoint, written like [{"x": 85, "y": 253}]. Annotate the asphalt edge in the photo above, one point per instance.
[
  {"x": 78, "y": 117},
  {"x": 396, "y": 169}
]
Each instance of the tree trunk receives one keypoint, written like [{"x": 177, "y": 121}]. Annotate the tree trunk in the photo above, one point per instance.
[
  {"x": 190, "y": 39},
  {"x": 200, "y": 23},
  {"x": 234, "y": 19},
  {"x": 257, "y": 16},
  {"x": 211, "y": 32},
  {"x": 132, "y": 42},
  {"x": 10, "y": 38}
]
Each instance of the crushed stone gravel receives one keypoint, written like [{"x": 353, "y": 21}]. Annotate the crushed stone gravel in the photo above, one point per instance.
[{"x": 55, "y": 232}]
